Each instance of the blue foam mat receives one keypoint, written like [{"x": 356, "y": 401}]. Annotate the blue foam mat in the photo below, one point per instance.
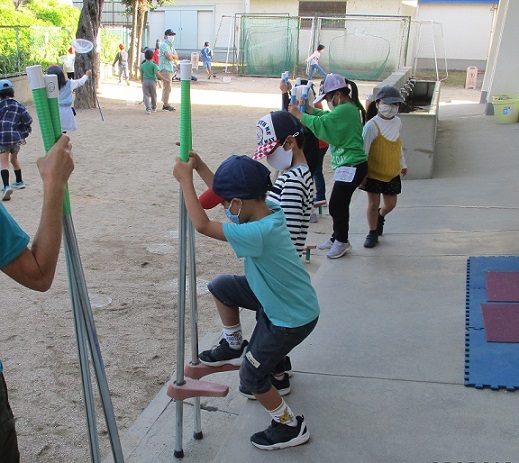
[{"x": 487, "y": 364}]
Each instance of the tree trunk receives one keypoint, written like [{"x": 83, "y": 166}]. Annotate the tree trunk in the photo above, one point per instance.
[
  {"x": 88, "y": 29},
  {"x": 134, "y": 51}
]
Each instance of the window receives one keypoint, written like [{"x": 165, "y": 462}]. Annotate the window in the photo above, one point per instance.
[{"x": 322, "y": 9}]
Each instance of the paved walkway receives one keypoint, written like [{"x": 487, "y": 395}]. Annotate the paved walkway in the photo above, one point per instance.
[{"x": 380, "y": 380}]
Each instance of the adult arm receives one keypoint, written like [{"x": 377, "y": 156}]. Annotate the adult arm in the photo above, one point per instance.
[
  {"x": 171, "y": 55},
  {"x": 35, "y": 267},
  {"x": 183, "y": 172}
]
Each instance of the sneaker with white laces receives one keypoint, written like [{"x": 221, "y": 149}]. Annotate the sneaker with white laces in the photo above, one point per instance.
[
  {"x": 281, "y": 436},
  {"x": 324, "y": 246},
  {"x": 148, "y": 111},
  {"x": 223, "y": 355},
  {"x": 7, "y": 191},
  {"x": 338, "y": 249},
  {"x": 282, "y": 385},
  {"x": 19, "y": 185}
]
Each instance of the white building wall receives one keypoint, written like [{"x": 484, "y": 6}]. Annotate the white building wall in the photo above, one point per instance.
[
  {"x": 385, "y": 7},
  {"x": 501, "y": 77},
  {"x": 466, "y": 40}
]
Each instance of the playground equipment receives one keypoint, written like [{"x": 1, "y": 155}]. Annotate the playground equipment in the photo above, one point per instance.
[
  {"x": 45, "y": 94},
  {"x": 187, "y": 382}
]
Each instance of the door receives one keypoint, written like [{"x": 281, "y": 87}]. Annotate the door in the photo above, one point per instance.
[{"x": 184, "y": 23}]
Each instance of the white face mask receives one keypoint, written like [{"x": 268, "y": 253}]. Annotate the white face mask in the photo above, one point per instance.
[
  {"x": 280, "y": 158},
  {"x": 171, "y": 38},
  {"x": 331, "y": 104},
  {"x": 388, "y": 110}
]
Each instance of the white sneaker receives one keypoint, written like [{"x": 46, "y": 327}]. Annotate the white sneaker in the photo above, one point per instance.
[
  {"x": 7, "y": 191},
  {"x": 324, "y": 246},
  {"x": 338, "y": 249}
]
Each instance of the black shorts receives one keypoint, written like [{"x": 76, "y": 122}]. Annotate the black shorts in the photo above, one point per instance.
[{"x": 393, "y": 187}]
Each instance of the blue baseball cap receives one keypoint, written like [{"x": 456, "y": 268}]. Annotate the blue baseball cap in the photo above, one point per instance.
[{"x": 239, "y": 176}]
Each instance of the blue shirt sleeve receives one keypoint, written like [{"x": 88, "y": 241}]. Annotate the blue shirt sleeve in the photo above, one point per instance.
[
  {"x": 13, "y": 240},
  {"x": 245, "y": 239}
]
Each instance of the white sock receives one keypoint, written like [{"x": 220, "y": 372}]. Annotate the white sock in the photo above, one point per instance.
[
  {"x": 233, "y": 336},
  {"x": 283, "y": 414}
]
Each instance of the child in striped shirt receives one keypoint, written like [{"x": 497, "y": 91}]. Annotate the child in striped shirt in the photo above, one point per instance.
[{"x": 280, "y": 140}]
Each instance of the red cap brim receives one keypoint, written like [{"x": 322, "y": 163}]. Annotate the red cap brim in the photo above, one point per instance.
[
  {"x": 209, "y": 199},
  {"x": 265, "y": 150}
]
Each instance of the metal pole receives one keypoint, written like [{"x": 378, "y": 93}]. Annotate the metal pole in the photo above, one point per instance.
[
  {"x": 194, "y": 324},
  {"x": 86, "y": 381},
  {"x": 95, "y": 350},
  {"x": 179, "y": 452},
  {"x": 45, "y": 90}
]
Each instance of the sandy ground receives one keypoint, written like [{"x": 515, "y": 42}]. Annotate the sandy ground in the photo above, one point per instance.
[{"x": 125, "y": 211}]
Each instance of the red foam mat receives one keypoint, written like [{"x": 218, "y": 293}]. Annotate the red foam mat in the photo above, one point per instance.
[
  {"x": 502, "y": 286},
  {"x": 501, "y": 322}
]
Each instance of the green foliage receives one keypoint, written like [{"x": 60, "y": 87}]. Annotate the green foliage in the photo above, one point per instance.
[
  {"x": 109, "y": 45},
  {"x": 38, "y": 34},
  {"x": 54, "y": 13}
]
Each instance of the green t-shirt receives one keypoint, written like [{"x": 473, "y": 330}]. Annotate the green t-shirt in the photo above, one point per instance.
[
  {"x": 342, "y": 129},
  {"x": 148, "y": 69}
]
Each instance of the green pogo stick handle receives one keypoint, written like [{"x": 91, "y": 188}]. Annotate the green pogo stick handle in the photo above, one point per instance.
[
  {"x": 39, "y": 93},
  {"x": 52, "y": 89},
  {"x": 186, "y": 142}
]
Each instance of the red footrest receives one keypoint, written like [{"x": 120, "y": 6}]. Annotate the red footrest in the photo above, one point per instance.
[
  {"x": 196, "y": 388},
  {"x": 200, "y": 370}
]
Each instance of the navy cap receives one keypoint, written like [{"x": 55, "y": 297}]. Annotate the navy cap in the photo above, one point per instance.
[
  {"x": 237, "y": 177},
  {"x": 274, "y": 128},
  {"x": 169, "y": 32},
  {"x": 389, "y": 95}
]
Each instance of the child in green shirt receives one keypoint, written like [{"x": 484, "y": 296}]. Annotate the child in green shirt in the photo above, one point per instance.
[{"x": 149, "y": 75}]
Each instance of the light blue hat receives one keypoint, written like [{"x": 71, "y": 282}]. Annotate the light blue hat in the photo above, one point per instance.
[{"x": 5, "y": 84}]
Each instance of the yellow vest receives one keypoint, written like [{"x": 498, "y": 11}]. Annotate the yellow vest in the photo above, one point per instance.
[{"x": 384, "y": 158}]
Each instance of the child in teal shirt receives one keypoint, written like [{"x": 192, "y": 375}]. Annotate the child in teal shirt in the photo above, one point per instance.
[{"x": 276, "y": 285}]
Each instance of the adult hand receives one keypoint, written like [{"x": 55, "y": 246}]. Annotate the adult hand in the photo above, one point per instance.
[
  {"x": 404, "y": 171},
  {"x": 57, "y": 165}
]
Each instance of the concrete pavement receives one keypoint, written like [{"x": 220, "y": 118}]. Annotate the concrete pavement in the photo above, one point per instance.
[{"x": 380, "y": 379}]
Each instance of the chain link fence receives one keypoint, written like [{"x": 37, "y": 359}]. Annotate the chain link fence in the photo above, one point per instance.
[{"x": 22, "y": 46}]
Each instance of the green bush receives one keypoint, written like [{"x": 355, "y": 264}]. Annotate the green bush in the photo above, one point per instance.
[{"x": 38, "y": 34}]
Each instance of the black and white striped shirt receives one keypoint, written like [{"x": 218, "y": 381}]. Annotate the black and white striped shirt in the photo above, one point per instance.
[{"x": 293, "y": 191}]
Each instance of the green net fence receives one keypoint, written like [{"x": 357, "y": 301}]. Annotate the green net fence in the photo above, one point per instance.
[
  {"x": 361, "y": 47},
  {"x": 269, "y": 45},
  {"x": 367, "y": 48},
  {"x": 22, "y": 46}
]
